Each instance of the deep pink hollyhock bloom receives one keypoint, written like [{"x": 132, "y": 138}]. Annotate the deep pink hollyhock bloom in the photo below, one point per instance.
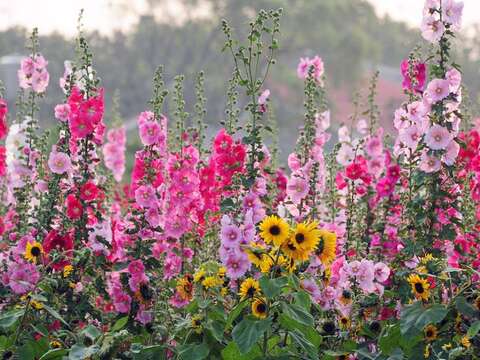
[
  {"x": 3, "y": 161},
  {"x": 79, "y": 126},
  {"x": 61, "y": 243},
  {"x": 223, "y": 142},
  {"x": 74, "y": 207},
  {"x": 357, "y": 169},
  {"x": 237, "y": 265},
  {"x": 150, "y": 132},
  {"x": 3, "y": 119},
  {"x": 88, "y": 191},
  {"x": 420, "y": 73},
  {"x": 145, "y": 196}
]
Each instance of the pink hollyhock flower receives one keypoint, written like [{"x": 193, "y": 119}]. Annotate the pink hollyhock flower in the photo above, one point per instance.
[
  {"x": 294, "y": 162},
  {"x": 452, "y": 13},
  {"x": 150, "y": 132},
  {"x": 177, "y": 301},
  {"x": 80, "y": 127},
  {"x": 416, "y": 111},
  {"x": 230, "y": 235},
  {"x": 437, "y": 90},
  {"x": 305, "y": 64},
  {"x": 237, "y": 265},
  {"x": 419, "y": 72},
  {"x": 59, "y": 162},
  {"x": 3, "y": 119},
  {"x": 401, "y": 119},
  {"x": 429, "y": 163},
  {"x": 114, "y": 152},
  {"x": 89, "y": 191},
  {"x": 74, "y": 207},
  {"x": 432, "y": 28},
  {"x": 297, "y": 188},
  {"x": 143, "y": 316},
  {"x": 40, "y": 81},
  {"x": 374, "y": 146},
  {"x": 410, "y": 136},
  {"x": 146, "y": 197},
  {"x": 62, "y": 112},
  {"x": 176, "y": 225},
  {"x": 345, "y": 154},
  {"x": 21, "y": 277},
  {"x": 452, "y": 151},
  {"x": 454, "y": 78},
  {"x": 437, "y": 137},
  {"x": 223, "y": 142},
  {"x": 357, "y": 169},
  {"x": 382, "y": 272},
  {"x": 262, "y": 100},
  {"x": 172, "y": 266},
  {"x": 365, "y": 276}
]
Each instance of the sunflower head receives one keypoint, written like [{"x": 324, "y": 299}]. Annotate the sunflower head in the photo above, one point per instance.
[
  {"x": 274, "y": 229},
  {"x": 199, "y": 276},
  {"x": 33, "y": 251},
  {"x": 327, "y": 247},
  {"x": 197, "y": 323},
  {"x": 211, "y": 281},
  {"x": 291, "y": 249},
  {"x": 67, "y": 270},
  {"x": 306, "y": 235},
  {"x": 256, "y": 253},
  {"x": 431, "y": 333},
  {"x": 344, "y": 322},
  {"x": 420, "y": 287},
  {"x": 259, "y": 308},
  {"x": 249, "y": 288},
  {"x": 185, "y": 287}
]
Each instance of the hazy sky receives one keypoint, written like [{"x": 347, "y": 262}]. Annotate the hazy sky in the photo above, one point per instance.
[{"x": 105, "y": 15}]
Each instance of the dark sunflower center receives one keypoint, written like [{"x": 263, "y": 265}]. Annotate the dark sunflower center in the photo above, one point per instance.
[
  {"x": 329, "y": 328},
  {"x": 275, "y": 230},
  {"x": 344, "y": 320},
  {"x": 251, "y": 291},
  {"x": 299, "y": 238},
  {"x": 429, "y": 333},
  {"x": 261, "y": 308},
  {"x": 346, "y": 294},
  {"x": 419, "y": 288},
  {"x": 35, "y": 251}
]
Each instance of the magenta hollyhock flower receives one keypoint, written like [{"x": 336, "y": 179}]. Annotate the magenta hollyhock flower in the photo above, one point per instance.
[
  {"x": 74, "y": 207},
  {"x": 297, "y": 188},
  {"x": 237, "y": 265},
  {"x": 429, "y": 163},
  {"x": 79, "y": 126},
  {"x": 432, "y": 28},
  {"x": 176, "y": 225},
  {"x": 21, "y": 277},
  {"x": 59, "y": 162},
  {"x": 437, "y": 90},
  {"x": 145, "y": 196},
  {"x": 438, "y": 137},
  {"x": 150, "y": 132},
  {"x": 419, "y": 72}
]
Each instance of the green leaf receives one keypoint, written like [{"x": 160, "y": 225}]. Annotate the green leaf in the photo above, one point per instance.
[
  {"x": 308, "y": 331},
  {"x": 232, "y": 352},
  {"x": 247, "y": 332},
  {"x": 236, "y": 311},
  {"x": 26, "y": 352},
  {"x": 10, "y": 318},
  {"x": 55, "y": 314},
  {"x": 193, "y": 351},
  {"x": 390, "y": 340},
  {"x": 91, "y": 332},
  {"x": 304, "y": 344},
  {"x": 119, "y": 324},
  {"x": 272, "y": 287},
  {"x": 464, "y": 307},
  {"x": 473, "y": 329},
  {"x": 432, "y": 315},
  {"x": 409, "y": 316},
  {"x": 54, "y": 354},
  {"x": 298, "y": 313},
  {"x": 80, "y": 352}
]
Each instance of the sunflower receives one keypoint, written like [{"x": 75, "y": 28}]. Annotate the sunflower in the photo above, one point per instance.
[
  {"x": 222, "y": 270},
  {"x": 144, "y": 293},
  {"x": 197, "y": 323},
  {"x": 55, "y": 344},
  {"x": 344, "y": 322},
  {"x": 249, "y": 288},
  {"x": 420, "y": 287},
  {"x": 256, "y": 254},
  {"x": 291, "y": 249},
  {"x": 327, "y": 247},
  {"x": 274, "y": 229},
  {"x": 427, "y": 258},
  {"x": 306, "y": 235},
  {"x": 211, "y": 281},
  {"x": 37, "y": 305},
  {"x": 185, "y": 287},
  {"x": 259, "y": 308},
  {"x": 431, "y": 333},
  {"x": 33, "y": 251},
  {"x": 67, "y": 270},
  {"x": 199, "y": 276}
]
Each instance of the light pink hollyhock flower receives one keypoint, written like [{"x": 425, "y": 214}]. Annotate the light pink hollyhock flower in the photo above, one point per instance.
[
  {"x": 297, "y": 188},
  {"x": 365, "y": 276},
  {"x": 59, "y": 162},
  {"x": 293, "y": 162},
  {"x": 429, "y": 163},
  {"x": 452, "y": 13},
  {"x": 145, "y": 196},
  {"x": 344, "y": 134},
  {"x": 416, "y": 111},
  {"x": 150, "y": 132},
  {"x": 454, "y": 78},
  {"x": 382, "y": 272},
  {"x": 62, "y": 111},
  {"x": 237, "y": 265},
  {"x": 437, "y": 89},
  {"x": 345, "y": 154},
  {"x": 451, "y": 153},
  {"x": 430, "y": 5},
  {"x": 362, "y": 126},
  {"x": 302, "y": 68},
  {"x": 401, "y": 119},
  {"x": 323, "y": 120},
  {"x": 374, "y": 146},
  {"x": 27, "y": 66},
  {"x": 230, "y": 235},
  {"x": 262, "y": 99},
  {"x": 437, "y": 137},
  {"x": 432, "y": 28},
  {"x": 40, "y": 81},
  {"x": 410, "y": 136}
]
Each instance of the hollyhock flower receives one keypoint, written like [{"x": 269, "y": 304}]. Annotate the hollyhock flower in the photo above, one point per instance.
[
  {"x": 416, "y": 111},
  {"x": 146, "y": 197},
  {"x": 237, "y": 265},
  {"x": 437, "y": 137},
  {"x": 114, "y": 152},
  {"x": 143, "y": 316},
  {"x": 437, "y": 90},
  {"x": 89, "y": 191},
  {"x": 262, "y": 100},
  {"x": 80, "y": 127},
  {"x": 357, "y": 169},
  {"x": 382, "y": 272},
  {"x": 362, "y": 126},
  {"x": 374, "y": 146},
  {"x": 451, "y": 153},
  {"x": 3, "y": 119},
  {"x": 62, "y": 112},
  {"x": 21, "y": 277},
  {"x": 429, "y": 163},
  {"x": 59, "y": 162},
  {"x": 365, "y": 276},
  {"x": 410, "y": 136},
  {"x": 345, "y": 154},
  {"x": 420, "y": 73},
  {"x": 40, "y": 81},
  {"x": 344, "y": 134},
  {"x": 432, "y": 29},
  {"x": 62, "y": 243},
  {"x": 452, "y": 13},
  {"x": 230, "y": 235},
  {"x": 150, "y": 132},
  {"x": 74, "y": 207},
  {"x": 306, "y": 64},
  {"x": 454, "y": 78},
  {"x": 401, "y": 119},
  {"x": 297, "y": 188}
]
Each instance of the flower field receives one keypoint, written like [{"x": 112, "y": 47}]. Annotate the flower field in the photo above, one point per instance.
[{"x": 366, "y": 246}]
